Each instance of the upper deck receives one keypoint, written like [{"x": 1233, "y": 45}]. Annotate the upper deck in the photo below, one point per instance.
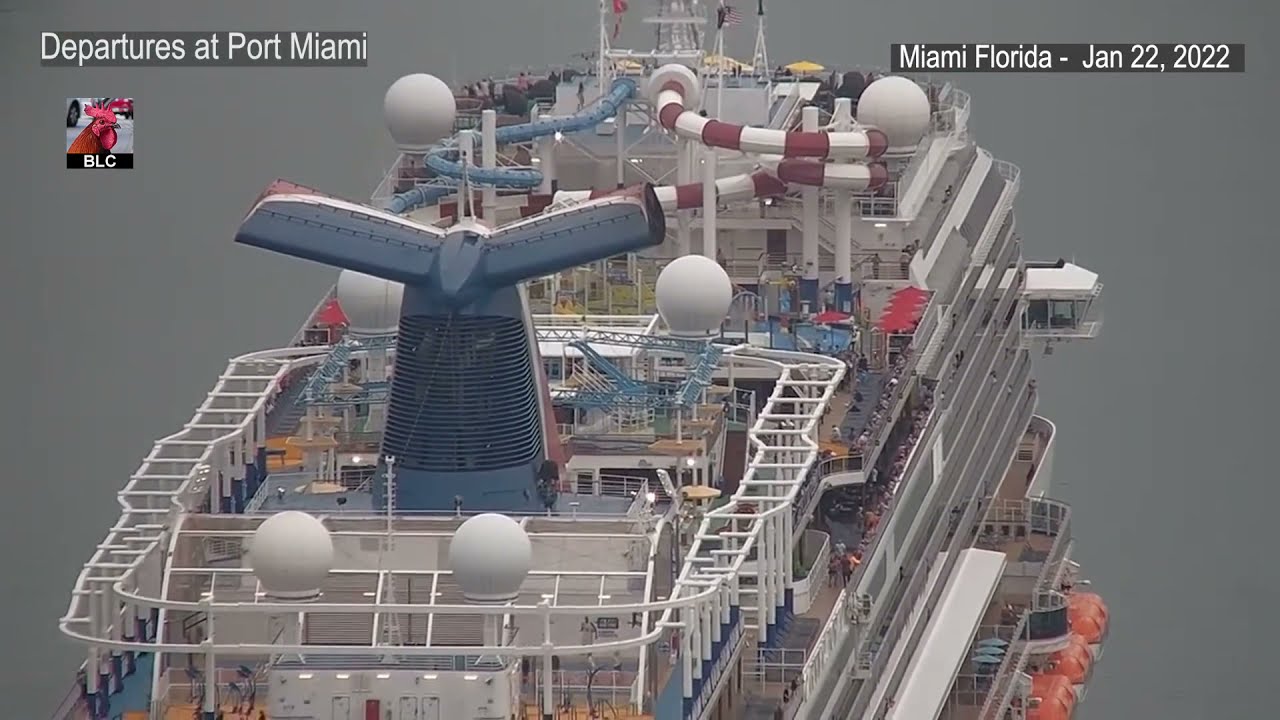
[{"x": 624, "y": 568}]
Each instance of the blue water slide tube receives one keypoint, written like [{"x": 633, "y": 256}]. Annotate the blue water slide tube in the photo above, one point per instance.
[{"x": 444, "y": 161}]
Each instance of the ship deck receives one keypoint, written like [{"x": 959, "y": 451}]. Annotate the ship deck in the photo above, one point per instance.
[{"x": 1029, "y": 550}]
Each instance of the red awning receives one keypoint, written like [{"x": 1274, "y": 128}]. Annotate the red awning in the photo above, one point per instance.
[
  {"x": 904, "y": 310},
  {"x": 910, "y": 293},
  {"x": 830, "y": 317},
  {"x": 331, "y": 314}
]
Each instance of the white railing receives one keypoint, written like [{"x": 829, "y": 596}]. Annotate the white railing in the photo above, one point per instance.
[
  {"x": 838, "y": 625},
  {"x": 785, "y": 452},
  {"x": 1004, "y": 206},
  {"x": 159, "y": 492},
  {"x": 1003, "y": 682},
  {"x": 646, "y": 323},
  {"x": 817, "y": 577}
]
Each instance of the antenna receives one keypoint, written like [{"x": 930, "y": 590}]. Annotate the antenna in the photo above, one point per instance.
[
  {"x": 604, "y": 45},
  {"x": 466, "y": 152},
  {"x": 760, "y": 58},
  {"x": 390, "y": 621}
]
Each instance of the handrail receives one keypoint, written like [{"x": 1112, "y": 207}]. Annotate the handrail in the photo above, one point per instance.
[
  {"x": 1004, "y": 681},
  {"x": 1021, "y": 411},
  {"x": 869, "y": 555},
  {"x": 836, "y": 630},
  {"x": 840, "y": 464}
]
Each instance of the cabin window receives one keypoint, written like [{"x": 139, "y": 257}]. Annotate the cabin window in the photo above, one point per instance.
[
  {"x": 554, "y": 368},
  {"x": 1062, "y": 313},
  {"x": 1043, "y": 314}
]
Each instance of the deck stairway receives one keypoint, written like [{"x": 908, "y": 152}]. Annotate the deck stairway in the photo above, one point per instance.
[
  {"x": 342, "y": 628},
  {"x": 287, "y": 413}
]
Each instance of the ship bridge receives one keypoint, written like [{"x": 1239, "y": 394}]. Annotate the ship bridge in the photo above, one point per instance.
[{"x": 1061, "y": 301}]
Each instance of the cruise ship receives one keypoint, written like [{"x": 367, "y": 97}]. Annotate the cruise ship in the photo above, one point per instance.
[{"x": 667, "y": 386}]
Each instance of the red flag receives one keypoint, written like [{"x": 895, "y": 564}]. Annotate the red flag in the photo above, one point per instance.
[{"x": 619, "y": 7}]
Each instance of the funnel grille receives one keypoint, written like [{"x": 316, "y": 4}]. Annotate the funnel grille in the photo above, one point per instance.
[{"x": 463, "y": 397}]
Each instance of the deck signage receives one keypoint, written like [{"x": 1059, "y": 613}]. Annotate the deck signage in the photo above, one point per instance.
[{"x": 1068, "y": 58}]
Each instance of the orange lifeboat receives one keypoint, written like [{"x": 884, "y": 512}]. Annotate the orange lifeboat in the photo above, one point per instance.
[
  {"x": 1088, "y": 599},
  {"x": 1055, "y": 697},
  {"x": 1088, "y": 621},
  {"x": 1073, "y": 662},
  {"x": 1075, "y": 640}
]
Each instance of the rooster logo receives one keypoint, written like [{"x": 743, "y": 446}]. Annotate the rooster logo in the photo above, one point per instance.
[{"x": 100, "y": 135}]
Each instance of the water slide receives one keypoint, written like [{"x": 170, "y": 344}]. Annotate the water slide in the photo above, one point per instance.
[
  {"x": 444, "y": 159},
  {"x": 787, "y": 156}
]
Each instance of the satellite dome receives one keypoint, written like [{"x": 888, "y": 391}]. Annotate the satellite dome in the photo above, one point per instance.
[
  {"x": 291, "y": 553},
  {"x": 490, "y": 555},
  {"x": 898, "y": 107},
  {"x": 371, "y": 304},
  {"x": 694, "y": 294},
  {"x": 419, "y": 110}
]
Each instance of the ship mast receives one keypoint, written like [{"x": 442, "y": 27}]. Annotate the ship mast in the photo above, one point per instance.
[
  {"x": 602, "y": 63},
  {"x": 676, "y": 28},
  {"x": 760, "y": 58}
]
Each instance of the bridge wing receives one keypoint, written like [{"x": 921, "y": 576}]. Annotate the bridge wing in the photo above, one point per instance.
[
  {"x": 301, "y": 222},
  {"x": 587, "y": 232}
]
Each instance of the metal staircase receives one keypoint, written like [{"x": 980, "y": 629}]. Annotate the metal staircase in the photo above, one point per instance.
[
  {"x": 389, "y": 623},
  {"x": 329, "y": 372}
]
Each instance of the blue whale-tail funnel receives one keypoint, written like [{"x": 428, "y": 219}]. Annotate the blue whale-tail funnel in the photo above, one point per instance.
[{"x": 463, "y": 420}]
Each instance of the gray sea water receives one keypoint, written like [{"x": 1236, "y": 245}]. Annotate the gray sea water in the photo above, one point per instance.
[{"x": 123, "y": 295}]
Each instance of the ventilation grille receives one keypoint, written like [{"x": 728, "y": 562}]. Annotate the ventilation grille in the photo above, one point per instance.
[{"x": 463, "y": 396}]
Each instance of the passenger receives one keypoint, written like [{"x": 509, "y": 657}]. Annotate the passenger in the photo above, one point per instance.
[{"x": 582, "y": 95}]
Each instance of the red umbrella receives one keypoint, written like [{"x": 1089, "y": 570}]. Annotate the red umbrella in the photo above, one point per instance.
[{"x": 829, "y": 317}]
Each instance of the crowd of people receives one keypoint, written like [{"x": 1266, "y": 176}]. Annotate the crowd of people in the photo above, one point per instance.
[
  {"x": 880, "y": 488},
  {"x": 858, "y": 371}
]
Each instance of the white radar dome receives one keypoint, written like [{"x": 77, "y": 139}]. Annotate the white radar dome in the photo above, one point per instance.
[
  {"x": 898, "y": 107},
  {"x": 694, "y": 294},
  {"x": 291, "y": 553},
  {"x": 489, "y": 556},
  {"x": 419, "y": 110},
  {"x": 371, "y": 304}
]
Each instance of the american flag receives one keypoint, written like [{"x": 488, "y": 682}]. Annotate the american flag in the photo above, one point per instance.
[{"x": 727, "y": 15}]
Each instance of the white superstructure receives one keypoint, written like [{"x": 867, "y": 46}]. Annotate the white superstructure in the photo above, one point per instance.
[{"x": 676, "y": 573}]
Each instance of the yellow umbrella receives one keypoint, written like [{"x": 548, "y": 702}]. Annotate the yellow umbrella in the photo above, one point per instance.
[
  {"x": 699, "y": 493},
  {"x": 725, "y": 62},
  {"x": 805, "y": 67}
]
